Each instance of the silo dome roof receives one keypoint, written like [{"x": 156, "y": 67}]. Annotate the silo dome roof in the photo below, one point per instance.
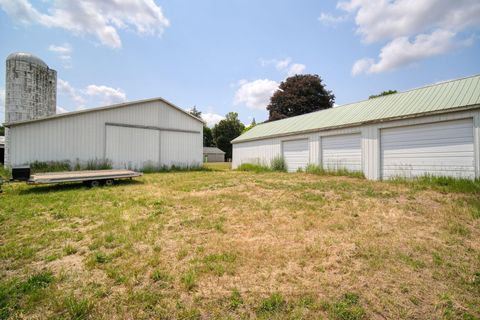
[{"x": 27, "y": 57}]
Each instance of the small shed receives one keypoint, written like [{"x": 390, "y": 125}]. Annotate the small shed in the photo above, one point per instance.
[
  {"x": 213, "y": 154},
  {"x": 2, "y": 149}
]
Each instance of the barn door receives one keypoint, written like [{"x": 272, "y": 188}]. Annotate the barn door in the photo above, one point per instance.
[{"x": 132, "y": 148}]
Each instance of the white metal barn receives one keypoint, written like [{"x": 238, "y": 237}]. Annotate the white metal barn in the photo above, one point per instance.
[
  {"x": 133, "y": 135},
  {"x": 434, "y": 130}
]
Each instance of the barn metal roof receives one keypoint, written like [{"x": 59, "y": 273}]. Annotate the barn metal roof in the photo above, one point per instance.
[
  {"x": 119, "y": 105},
  {"x": 436, "y": 98},
  {"x": 212, "y": 150}
]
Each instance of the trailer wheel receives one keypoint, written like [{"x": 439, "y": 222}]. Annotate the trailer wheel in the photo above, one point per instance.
[
  {"x": 109, "y": 182},
  {"x": 94, "y": 183}
]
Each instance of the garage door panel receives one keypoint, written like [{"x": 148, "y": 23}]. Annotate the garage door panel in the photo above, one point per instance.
[
  {"x": 296, "y": 154},
  {"x": 342, "y": 152},
  {"x": 441, "y": 149}
]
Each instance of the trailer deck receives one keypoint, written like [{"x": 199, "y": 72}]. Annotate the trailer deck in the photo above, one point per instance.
[{"x": 87, "y": 175}]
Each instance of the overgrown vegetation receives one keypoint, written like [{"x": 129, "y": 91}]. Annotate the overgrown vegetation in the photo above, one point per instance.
[
  {"x": 153, "y": 168},
  {"x": 240, "y": 245},
  {"x": 444, "y": 184},
  {"x": 66, "y": 165},
  {"x": 315, "y": 169},
  {"x": 277, "y": 164},
  {"x": 5, "y": 173}
]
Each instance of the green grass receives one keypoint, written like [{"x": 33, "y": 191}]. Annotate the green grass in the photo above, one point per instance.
[
  {"x": 274, "y": 303},
  {"x": 346, "y": 308},
  {"x": 221, "y": 243},
  {"x": 443, "y": 184}
]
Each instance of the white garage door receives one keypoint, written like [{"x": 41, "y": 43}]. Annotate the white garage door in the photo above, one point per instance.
[
  {"x": 132, "y": 148},
  {"x": 440, "y": 149},
  {"x": 342, "y": 152},
  {"x": 296, "y": 154}
]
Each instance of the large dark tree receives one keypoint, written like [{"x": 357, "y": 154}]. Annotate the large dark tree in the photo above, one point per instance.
[
  {"x": 207, "y": 132},
  {"x": 208, "y": 137},
  {"x": 383, "y": 93},
  {"x": 298, "y": 95},
  {"x": 2, "y": 131},
  {"x": 227, "y": 130}
]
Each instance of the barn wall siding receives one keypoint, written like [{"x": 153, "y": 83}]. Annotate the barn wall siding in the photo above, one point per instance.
[
  {"x": 262, "y": 151},
  {"x": 82, "y": 136}
]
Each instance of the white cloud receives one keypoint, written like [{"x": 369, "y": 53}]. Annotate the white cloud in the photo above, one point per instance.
[
  {"x": 401, "y": 52},
  {"x": 64, "y": 87},
  {"x": 282, "y": 64},
  {"x": 101, "y": 94},
  {"x": 255, "y": 94},
  {"x": 61, "y": 110},
  {"x": 102, "y": 19},
  {"x": 108, "y": 95},
  {"x": 63, "y": 52},
  {"x": 285, "y": 65},
  {"x": 64, "y": 49},
  {"x": 414, "y": 30},
  {"x": 381, "y": 19},
  {"x": 212, "y": 118},
  {"x": 331, "y": 20},
  {"x": 296, "y": 68}
]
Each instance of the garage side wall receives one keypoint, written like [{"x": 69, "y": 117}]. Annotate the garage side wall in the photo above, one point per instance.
[
  {"x": 82, "y": 137},
  {"x": 263, "y": 151}
]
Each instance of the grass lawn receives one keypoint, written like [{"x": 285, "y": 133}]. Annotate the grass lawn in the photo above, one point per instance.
[{"x": 228, "y": 244}]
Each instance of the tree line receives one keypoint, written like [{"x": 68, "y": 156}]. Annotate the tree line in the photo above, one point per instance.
[{"x": 297, "y": 95}]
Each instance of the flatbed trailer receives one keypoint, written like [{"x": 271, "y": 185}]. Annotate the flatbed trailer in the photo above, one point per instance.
[
  {"x": 93, "y": 178},
  {"x": 100, "y": 176}
]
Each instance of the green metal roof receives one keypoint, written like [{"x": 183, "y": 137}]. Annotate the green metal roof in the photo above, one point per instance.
[{"x": 435, "y": 98}]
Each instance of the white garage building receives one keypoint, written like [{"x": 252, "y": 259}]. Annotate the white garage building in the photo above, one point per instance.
[
  {"x": 434, "y": 130},
  {"x": 132, "y": 135}
]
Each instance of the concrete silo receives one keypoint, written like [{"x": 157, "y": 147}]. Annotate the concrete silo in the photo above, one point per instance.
[{"x": 30, "y": 93}]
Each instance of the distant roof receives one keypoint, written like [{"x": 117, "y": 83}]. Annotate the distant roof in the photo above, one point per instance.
[
  {"x": 27, "y": 57},
  {"x": 2, "y": 140},
  {"x": 441, "y": 97},
  {"x": 212, "y": 150},
  {"x": 119, "y": 105}
]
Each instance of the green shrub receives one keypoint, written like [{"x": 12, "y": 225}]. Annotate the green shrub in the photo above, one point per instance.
[
  {"x": 253, "y": 167},
  {"x": 278, "y": 164}
]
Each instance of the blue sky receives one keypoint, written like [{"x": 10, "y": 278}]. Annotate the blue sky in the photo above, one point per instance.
[{"x": 231, "y": 55}]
